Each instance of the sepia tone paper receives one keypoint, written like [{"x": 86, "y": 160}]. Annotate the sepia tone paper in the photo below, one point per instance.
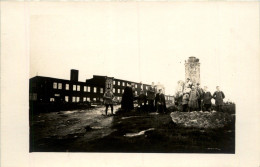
[{"x": 237, "y": 51}]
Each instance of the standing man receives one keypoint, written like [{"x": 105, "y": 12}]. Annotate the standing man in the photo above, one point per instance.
[
  {"x": 108, "y": 100},
  {"x": 160, "y": 102},
  {"x": 142, "y": 99},
  {"x": 218, "y": 96},
  {"x": 199, "y": 89},
  {"x": 207, "y": 99},
  {"x": 193, "y": 100},
  {"x": 151, "y": 96}
]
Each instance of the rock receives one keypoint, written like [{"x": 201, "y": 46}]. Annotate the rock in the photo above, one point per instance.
[{"x": 201, "y": 120}]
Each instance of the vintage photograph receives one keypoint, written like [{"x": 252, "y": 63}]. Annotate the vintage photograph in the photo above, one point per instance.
[
  {"x": 132, "y": 78},
  {"x": 129, "y": 83}
]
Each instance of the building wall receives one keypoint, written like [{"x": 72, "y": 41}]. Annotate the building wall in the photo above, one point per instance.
[{"x": 45, "y": 89}]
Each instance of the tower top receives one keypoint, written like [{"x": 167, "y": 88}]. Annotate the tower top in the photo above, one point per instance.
[{"x": 193, "y": 59}]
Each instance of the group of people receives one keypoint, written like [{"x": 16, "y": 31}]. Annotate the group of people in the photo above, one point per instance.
[
  {"x": 155, "y": 100},
  {"x": 195, "y": 98}
]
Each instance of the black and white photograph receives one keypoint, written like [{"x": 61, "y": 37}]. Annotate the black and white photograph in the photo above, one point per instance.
[{"x": 134, "y": 77}]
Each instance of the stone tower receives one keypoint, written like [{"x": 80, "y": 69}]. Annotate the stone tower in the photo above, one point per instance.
[{"x": 192, "y": 69}]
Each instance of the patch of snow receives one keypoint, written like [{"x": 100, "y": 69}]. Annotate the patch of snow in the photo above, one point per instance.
[{"x": 138, "y": 134}]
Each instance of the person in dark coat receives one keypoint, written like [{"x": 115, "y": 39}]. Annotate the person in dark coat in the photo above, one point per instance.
[
  {"x": 218, "y": 96},
  {"x": 160, "y": 102},
  {"x": 206, "y": 99},
  {"x": 199, "y": 89},
  {"x": 127, "y": 99},
  {"x": 150, "y": 97},
  {"x": 142, "y": 99}
]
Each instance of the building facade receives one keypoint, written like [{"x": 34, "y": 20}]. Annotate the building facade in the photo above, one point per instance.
[
  {"x": 47, "y": 89},
  {"x": 192, "y": 69}
]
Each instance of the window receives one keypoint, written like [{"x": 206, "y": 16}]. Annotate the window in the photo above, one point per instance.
[
  {"x": 88, "y": 99},
  {"x": 78, "y": 99},
  {"x": 57, "y": 95},
  {"x": 118, "y": 90},
  {"x": 114, "y": 90},
  {"x": 67, "y": 86},
  {"x": 60, "y": 86},
  {"x": 122, "y": 90},
  {"x": 94, "y": 99},
  {"x": 123, "y": 84},
  {"x": 147, "y": 87},
  {"x": 114, "y": 82},
  {"x": 101, "y": 90},
  {"x": 118, "y": 82},
  {"x": 78, "y": 87},
  {"x": 95, "y": 90},
  {"x": 52, "y": 99},
  {"x": 54, "y": 85},
  {"x": 135, "y": 85},
  {"x": 73, "y": 99},
  {"x": 74, "y": 87},
  {"x": 33, "y": 96},
  {"x": 136, "y": 92},
  {"x": 84, "y": 99},
  {"x": 67, "y": 98},
  {"x": 85, "y": 88},
  {"x": 88, "y": 88}
]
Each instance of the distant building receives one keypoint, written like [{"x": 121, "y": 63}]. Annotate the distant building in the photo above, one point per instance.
[
  {"x": 47, "y": 89},
  {"x": 192, "y": 70}
]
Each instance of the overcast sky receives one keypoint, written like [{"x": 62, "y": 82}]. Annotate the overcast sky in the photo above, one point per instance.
[{"x": 141, "y": 41}]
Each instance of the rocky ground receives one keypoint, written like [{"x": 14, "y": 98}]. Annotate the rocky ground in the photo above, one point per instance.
[{"x": 91, "y": 131}]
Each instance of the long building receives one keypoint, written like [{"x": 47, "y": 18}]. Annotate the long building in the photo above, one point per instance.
[{"x": 47, "y": 89}]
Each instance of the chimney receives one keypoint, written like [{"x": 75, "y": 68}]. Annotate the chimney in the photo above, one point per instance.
[{"x": 74, "y": 75}]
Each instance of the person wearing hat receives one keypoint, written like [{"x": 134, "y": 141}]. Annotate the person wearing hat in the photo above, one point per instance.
[
  {"x": 160, "y": 102},
  {"x": 108, "y": 100},
  {"x": 218, "y": 96},
  {"x": 150, "y": 97},
  {"x": 200, "y": 90},
  {"x": 207, "y": 99}
]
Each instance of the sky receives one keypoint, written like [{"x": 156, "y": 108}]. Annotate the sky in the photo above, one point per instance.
[{"x": 141, "y": 42}]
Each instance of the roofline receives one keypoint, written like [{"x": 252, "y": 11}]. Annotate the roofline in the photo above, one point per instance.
[{"x": 55, "y": 79}]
